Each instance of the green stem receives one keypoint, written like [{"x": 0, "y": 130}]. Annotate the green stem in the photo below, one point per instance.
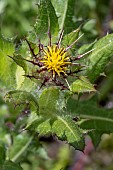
[{"x": 22, "y": 150}]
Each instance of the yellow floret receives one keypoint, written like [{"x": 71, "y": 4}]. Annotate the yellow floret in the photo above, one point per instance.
[{"x": 56, "y": 60}]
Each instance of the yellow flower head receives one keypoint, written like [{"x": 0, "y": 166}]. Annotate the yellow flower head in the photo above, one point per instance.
[{"x": 56, "y": 59}]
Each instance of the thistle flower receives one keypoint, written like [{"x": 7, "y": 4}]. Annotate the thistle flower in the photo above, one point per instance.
[
  {"x": 54, "y": 63},
  {"x": 56, "y": 60}
]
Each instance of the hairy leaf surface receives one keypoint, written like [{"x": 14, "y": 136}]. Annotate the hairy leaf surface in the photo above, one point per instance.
[
  {"x": 67, "y": 130},
  {"x": 46, "y": 18},
  {"x": 61, "y": 126},
  {"x": 94, "y": 118},
  {"x": 48, "y": 101},
  {"x": 7, "y": 66},
  {"x": 99, "y": 57},
  {"x": 82, "y": 85}
]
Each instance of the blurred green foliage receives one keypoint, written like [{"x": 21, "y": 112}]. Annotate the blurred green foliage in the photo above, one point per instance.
[{"x": 17, "y": 17}]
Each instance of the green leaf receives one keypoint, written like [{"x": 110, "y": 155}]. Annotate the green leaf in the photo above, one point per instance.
[
  {"x": 85, "y": 48},
  {"x": 19, "y": 146},
  {"x": 94, "y": 118},
  {"x": 62, "y": 126},
  {"x": 5, "y": 165},
  {"x": 2, "y": 153},
  {"x": 48, "y": 101},
  {"x": 106, "y": 87},
  {"x": 46, "y": 18},
  {"x": 25, "y": 84},
  {"x": 96, "y": 137},
  {"x": 34, "y": 121},
  {"x": 65, "y": 12},
  {"x": 20, "y": 61},
  {"x": 6, "y": 46},
  {"x": 66, "y": 129},
  {"x": 9, "y": 165},
  {"x": 99, "y": 57},
  {"x": 70, "y": 38},
  {"x": 44, "y": 128},
  {"x": 7, "y": 66},
  {"x": 82, "y": 85},
  {"x": 19, "y": 76},
  {"x": 22, "y": 97}
]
